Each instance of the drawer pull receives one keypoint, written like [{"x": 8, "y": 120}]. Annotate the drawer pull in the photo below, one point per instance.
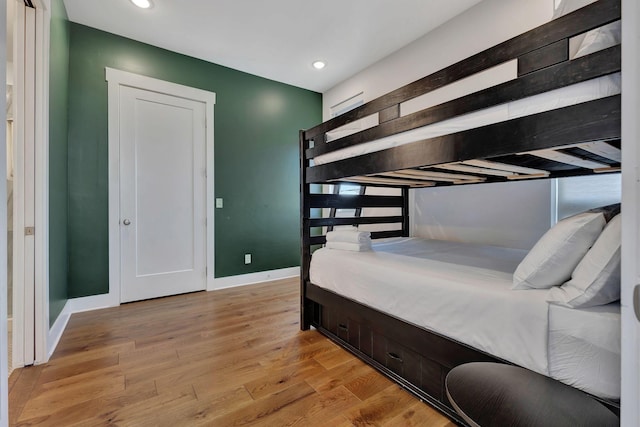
[
  {"x": 343, "y": 326},
  {"x": 394, "y": 357}
]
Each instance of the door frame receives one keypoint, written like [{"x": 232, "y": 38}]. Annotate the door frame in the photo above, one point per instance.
[
  {"x": 630, "y": 385},
  {"x": 4, "y": 368},
  {"x": 31, "y": 184},
  {"x": 115, "y": 79}
]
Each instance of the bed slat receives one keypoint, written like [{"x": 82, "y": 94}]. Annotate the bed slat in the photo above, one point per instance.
[
  {"x": 353, "y": 202},
  {"x": 325, "y": 222},
  {"x": 544, "y": 57},
  {"x": 569, "y": 159}
]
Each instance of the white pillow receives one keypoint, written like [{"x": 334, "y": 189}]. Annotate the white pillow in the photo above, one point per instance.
[
  {"x": 600, "y": 38},
  {"x": 554, "y": 257},
  {"x": 596, "y": 279}
]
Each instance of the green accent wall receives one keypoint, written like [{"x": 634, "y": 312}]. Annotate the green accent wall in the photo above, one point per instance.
[
  {"x": 58, "y": 120},
  {"x": 256, "y": 156}
]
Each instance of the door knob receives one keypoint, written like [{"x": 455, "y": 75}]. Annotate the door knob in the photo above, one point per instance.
[{"x": 126, "y": 222}]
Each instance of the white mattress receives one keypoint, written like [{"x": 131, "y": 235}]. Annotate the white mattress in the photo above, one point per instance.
[
  {"x": 584, "y": 348},
  {"x": 463, "y": 291},
  {"x": 569, "y": 95}
]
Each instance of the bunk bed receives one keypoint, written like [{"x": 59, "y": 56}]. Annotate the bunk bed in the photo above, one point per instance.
[{"x": 558, "y": 116}]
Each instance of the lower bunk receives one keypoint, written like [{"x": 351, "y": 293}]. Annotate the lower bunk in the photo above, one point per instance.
[{"x": 453, "y": 304}]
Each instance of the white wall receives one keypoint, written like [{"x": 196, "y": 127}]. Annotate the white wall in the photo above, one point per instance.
[
  {"x": 509, "y": 214},
  {"x": 482, "y": 26}
]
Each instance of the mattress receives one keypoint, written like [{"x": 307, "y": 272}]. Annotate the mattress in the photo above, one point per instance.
[
  {"x": 463, "y": 291},
  {"x": 584, "y": 348},
  {"x": 570, "y": 95}
]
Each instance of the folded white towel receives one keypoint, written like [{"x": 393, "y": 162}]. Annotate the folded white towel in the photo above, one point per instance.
[
  {"x": 349, "y": 236},
  {"x": 347, "y": 246}
]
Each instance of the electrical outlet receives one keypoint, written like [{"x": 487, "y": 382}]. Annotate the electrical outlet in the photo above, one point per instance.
[
  {"x": 247, "y": 258},
  {"x": 219, "y": 203}
]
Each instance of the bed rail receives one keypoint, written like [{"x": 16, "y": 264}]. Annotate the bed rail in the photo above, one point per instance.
[
  {"x": 575, "y": 140},
  {"x": 317, "y": 213}
]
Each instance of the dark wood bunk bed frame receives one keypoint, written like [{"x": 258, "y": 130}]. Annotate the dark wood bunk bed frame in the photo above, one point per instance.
[{"x": 415, "y": 358}]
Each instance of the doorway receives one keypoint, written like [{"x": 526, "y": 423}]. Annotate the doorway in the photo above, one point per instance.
[
  {"x": 162, "y": 195},
  {"x": 160, "y": 183}
]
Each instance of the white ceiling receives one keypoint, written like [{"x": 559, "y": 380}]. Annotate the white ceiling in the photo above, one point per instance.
[{"x": 277, "y": 39}]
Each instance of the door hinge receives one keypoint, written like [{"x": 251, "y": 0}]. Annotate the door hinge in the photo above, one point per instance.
[{"x": 29, "y": 231}]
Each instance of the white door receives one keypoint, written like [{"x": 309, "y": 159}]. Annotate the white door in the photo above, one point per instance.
[{"x": 162, "y": 194}]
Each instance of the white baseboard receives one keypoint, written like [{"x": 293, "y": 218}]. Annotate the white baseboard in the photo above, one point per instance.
[
  {"x": 55, "y": 332},
  {"x": 252, "y": 278},
  {"x": 96, "y": 302}
]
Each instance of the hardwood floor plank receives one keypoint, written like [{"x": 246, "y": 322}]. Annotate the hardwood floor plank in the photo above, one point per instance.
[
  {"x": 340, "y": 375},
  {"x": 265, "y": 411},
  {"x": 70, "y": 391},
  {"x": 418, "y": 415},
  {"x": 94, "y": 412},
  {"x": 52, "y": 373},
  {"x": 22, "y": 389},
  {"x": 367, "y": 385},
  {"x": 316, "y": 409},
  {"x": 279, "y": 379},
  {"x": 222, "y": 358},
  {"x": 334, "y": 358},
  {"x": 383, "y": 406}
]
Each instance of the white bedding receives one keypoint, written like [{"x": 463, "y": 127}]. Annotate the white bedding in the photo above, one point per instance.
[
  {"x": 462, "y": 291},
  {"x": 584, "y": 348},
  {"x": 569, "y": 95}
]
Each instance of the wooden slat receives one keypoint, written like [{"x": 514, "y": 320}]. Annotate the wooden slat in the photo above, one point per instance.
[
  {"x": 544, "y": 57},
  {"x": 460, "y": 167},
  {"x": 603, "y": 149},
  {"x": 353, "y": 202},
  {"x": 569, "y": 159},
  {"x": 389, "y": 113},
  {"x": 321, "y": 240},
  {"x": 581, "y": 69},
  {"x": 505, "y": 167},
  {"x": 390, "y": 181},
  {"x": 609, "y": 169},
  {"x": 589, "y": 121},
  {"x": 325, "y": 222},
  {"x": 434, "y": 176},
  {"x": 595, "y": 15},
  {"x": 386, "y": 234}
]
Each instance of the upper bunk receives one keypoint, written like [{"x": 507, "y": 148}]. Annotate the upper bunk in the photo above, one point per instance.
[{"x": 556, "y": 115}]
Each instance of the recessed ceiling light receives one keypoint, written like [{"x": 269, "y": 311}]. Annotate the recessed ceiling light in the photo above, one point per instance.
[
  {"x": 319, "y": 65},
  {"x": 144, "y": 4}
]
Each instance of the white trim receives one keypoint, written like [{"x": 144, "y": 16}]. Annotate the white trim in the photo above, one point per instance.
[
  {"x": 28, "y": 199},
  {"x": 630, "y": 385},
  {"x": 251, "y": 278},
  {"x": 115, "y": 79},
  {"x": 4, "y": 368},
  {"x": 18, "y": 187},
  {"x": 57, "y": 329},
  {"x": 41, "y": 178}
]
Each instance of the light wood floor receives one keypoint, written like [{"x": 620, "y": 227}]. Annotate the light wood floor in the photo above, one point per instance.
[{"x": 224, "y": 358}]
